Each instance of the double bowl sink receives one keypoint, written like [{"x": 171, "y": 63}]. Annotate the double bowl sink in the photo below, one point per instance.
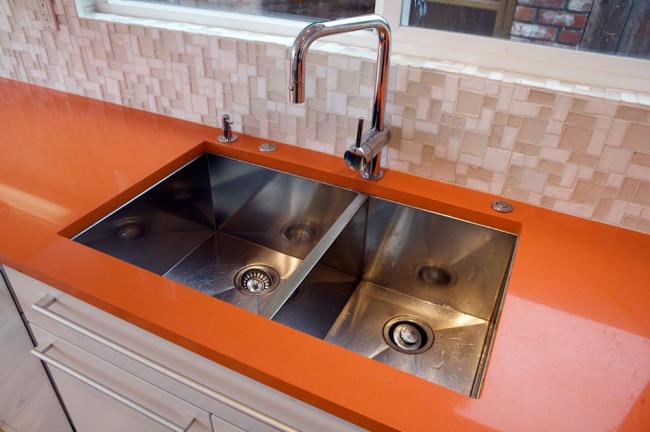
[{"x": 410, "y": 288}]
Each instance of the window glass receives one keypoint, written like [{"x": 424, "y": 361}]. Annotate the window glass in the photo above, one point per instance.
[
  {"x": 620, "y": 27},
  {"x": 308, "y": 10}
]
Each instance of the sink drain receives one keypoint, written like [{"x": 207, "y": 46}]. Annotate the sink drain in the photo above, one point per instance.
[
  {"x": 256, "y": 280},
  {"x": 300, "y": 231},
  {"x": 407, "y": 334},
  {"x": 129, "y": 229},
  {"x": 434, "y": 275}
]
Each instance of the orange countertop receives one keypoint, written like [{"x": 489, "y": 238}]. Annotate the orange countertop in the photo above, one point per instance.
[{"x": 572, "y": 349}]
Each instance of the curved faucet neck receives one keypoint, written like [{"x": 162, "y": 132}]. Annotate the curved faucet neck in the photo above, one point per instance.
[{"x": 317, "y": 30}]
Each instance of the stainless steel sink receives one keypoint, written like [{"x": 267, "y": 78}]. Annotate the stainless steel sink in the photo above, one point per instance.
[
  {"x": 410, "y": 288},
  {"x": 218, "y": 223}
]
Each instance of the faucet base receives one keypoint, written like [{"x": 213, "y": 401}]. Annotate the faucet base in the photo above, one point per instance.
[
  {"x": 227, "y": 139},
  {"x": 372, "y": 170},
  {"x": 376, "y": 176}
]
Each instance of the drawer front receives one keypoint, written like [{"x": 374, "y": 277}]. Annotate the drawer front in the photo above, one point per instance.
[
  {"x": 101, "y": 397},
  {"x": 233, "y": 397},
  {"x": 220, "y": 425}
]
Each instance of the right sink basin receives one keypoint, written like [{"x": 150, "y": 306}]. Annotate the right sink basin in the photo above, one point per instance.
[{"x": 410, "y": 288}]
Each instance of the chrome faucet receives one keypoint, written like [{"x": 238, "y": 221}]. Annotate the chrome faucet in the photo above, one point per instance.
[{"x": 365, "y": 155}]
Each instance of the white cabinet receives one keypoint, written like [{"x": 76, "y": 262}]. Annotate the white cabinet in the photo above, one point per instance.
[
  {"x": 28, "y": 402},
  {"x": 236, "y": 402},
  {"x": 103, "y": 398}
]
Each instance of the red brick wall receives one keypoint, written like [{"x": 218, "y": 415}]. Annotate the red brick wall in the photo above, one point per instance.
[{"x": 552, "y": 22}]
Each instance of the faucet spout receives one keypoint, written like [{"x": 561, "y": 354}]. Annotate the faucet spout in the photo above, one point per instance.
[{"x": 317, "y": 30}]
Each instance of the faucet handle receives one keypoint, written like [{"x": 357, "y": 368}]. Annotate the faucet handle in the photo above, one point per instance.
[
  {"x": 227, "y": 136},
  {"x": 359, "y": 132}
]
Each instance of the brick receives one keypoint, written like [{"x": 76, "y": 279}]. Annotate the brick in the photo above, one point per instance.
[
  {"x": 562, "y": 19},
  {"x": 525, "y": 14},
  {"x": 570, "y": 37},
  {"x": 543, "y": 3},
  {"x": 533, "y": 31},
  {"x": 580, "y": 5}
]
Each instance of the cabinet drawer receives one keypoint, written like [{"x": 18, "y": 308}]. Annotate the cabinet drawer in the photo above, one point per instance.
[
  {"x": 102, "y": 397},
  {"x": 233, "y": 397}
]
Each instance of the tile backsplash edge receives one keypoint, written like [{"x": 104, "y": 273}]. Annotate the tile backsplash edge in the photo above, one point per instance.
[{"x": 575, "y": 149}]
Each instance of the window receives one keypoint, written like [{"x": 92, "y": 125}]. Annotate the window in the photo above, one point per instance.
[
  {"x": 560, "y": 39},
  {"x": 306, "y": 10},
  {"x": 614, "y": 27}
]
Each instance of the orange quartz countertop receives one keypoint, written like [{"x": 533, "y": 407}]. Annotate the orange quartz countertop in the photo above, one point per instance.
[{"x": 572, "y": 348}]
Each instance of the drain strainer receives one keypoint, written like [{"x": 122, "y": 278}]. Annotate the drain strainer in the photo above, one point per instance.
[
  {"x": 256, "y": 279},
  {"x": 408, "y": 334},
  {"x": 300, "y": 231},
  {"x": 129, "y": 228},
  {"x": 434, "y": 275}
]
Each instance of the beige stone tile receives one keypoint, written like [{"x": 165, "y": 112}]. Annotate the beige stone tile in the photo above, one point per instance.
[
  {"x": 469, "y": 103},
  {"x": 490, "y": 102},
  {"x": 584, "y": 159},
  {"x": 597, "y": 142},
  {"x": 496, "y": 136},
  {"x": 557, "y": 192},
  {"x": 615, "y": 160},
  {"x": 532, "y": 181},
  {"x": 348, "y": 82},
  {"x": 434, "y": 79},
  {"x": 474, "y": 143},
  {"x": 514, "y": 121},
  {"x": 444, "y": 170},
  {"x": 637, "y": 138},
  {"x": 582, "y": 120},
  {"x": 541, "y": 97},
  {"x": 575, "y": 138},
  {"x": 547, "y": 202},
  {"x": 629, "y": 188},
  {"x": 532, "y": 130},
  {"x": 551, "y": 167},
  {"x": 496, "y": 160},
  {"x": 594, "y": 106},
  {"x": 641, "y": 159},
  {"x": 590, "y": 193},
  {"x": 562, "y": 107},
  {"x": 410, "y": 151},
  {"x": 545, "y": 113},
  {"x": 576, "y": 209},
  {"x": 527, "y": 148},
  {"x": 633, "y": 113},
  {"x": 643, "y": 193},
  {"x": 524, "y": 109}
]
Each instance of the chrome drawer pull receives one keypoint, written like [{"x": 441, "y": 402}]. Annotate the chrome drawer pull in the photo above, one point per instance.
[
  {"x": 41, "y": 354},
  {"x": 42, "y": 307}
]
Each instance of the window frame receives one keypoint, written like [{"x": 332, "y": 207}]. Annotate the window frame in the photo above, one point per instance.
[{"x": 538, "y": 63}]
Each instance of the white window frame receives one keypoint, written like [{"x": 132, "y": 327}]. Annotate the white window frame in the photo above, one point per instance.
[{"x": 502, "y": 55}]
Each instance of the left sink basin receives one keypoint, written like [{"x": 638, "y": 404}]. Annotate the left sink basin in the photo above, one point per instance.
[{"x": 233, "y": 230}]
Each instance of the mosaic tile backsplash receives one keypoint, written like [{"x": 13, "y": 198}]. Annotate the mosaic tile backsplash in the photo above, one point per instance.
[{"x": 570, "y": 148}]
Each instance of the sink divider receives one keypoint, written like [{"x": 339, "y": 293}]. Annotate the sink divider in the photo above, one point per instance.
[{"x": 292, "y": 283}]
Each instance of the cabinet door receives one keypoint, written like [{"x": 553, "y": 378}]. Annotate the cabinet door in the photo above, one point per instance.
[
  {"x": 27, "y": 400},
  {"x": 101, "y": 397}
]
